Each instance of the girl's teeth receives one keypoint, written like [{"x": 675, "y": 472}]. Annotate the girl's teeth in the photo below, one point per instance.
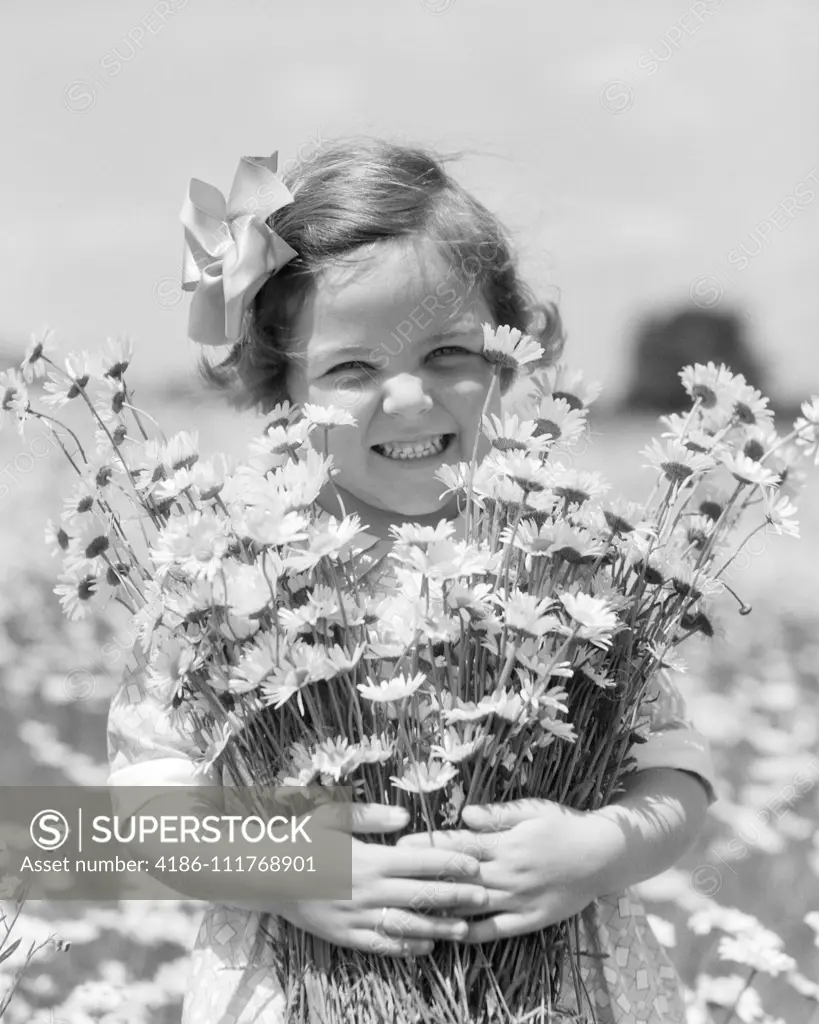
[{"x": 412, "y": 451}]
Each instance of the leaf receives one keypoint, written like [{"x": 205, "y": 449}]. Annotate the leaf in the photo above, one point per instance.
[{"x": 10, "y": 950}]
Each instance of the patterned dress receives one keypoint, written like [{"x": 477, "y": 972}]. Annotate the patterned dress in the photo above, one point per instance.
[{"x": 232, "y": 980}]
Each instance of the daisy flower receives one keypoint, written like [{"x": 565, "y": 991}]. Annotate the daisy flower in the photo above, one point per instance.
[
  {"x": 556, "y": 420},
  {"x": 181, "y": 451},
  {"x": 167, "y": 671},
  {"x": 281, "y": 415},
  {"x": 750, "y": 405},
  {"x": 698, "y": 530},
  {"x": 397, "y": 688},
  {"x": 34, "y": 364},
  {"x": 577, "y": 486},
  {"x": 524, "y": 614},
  {"x": 491, "y": 484},
  {"x": 508, "y": 433},
  {"x": 528, "y": 473},
  {"x": 423, "y": 536},
  {"x": 455, "y": 479},
  {"x": 675, "y": 461},
  {"x": 749, "y": 472},
  {"x": 646, "y": 559},
  {"x": 570, "y": 385},
  {"x": 696, "y": 437},
  {"x": 81, "y": 501},
  {"x": 622, "y": 517},
  {"x": 335, "y": 758},
  {"x": 593, "y": 617},
  {"x": 61, "y": 387},
  {"x": 116, "y": 357},
  {"x": 558, "y": 729},
  {"x": 691, "y": 583},
  {"x": 529, "y": 537},
  {"x": 787, "y": 463},
  {"x": 575, "y": 545},
  {"x": 457, "y": 746},
  {"x": 281, "y": 440},
  {"x": 257, "y": 663},
  {"x": 425, "y": 778},
  {"x": 807, "y": 428},
  {"x": 197, "y": 542},
  {"x": 710, "y": 384},
  {"x": 300, "y": 483},
  {"x": 327, "y": 416},
  {"x": 472, "y": 599},
  {"x": 82, "y": 593},
  {"x": 711, "y": 502},
  {"x": 779, "y": 511},
  {"x": 243, "y": 588},
  {"x": 270, "y": 526},
  {"x": 91, "y": 543},
  {"x": 326, "y": 541},
  {"x": 337, "y": 660},
  {"x": 375, "y": 750},
  {"x": 218, "y": 735},
  {"x": 508, "y": 347},
  {"x": 699, "y": 619},
  {"x": 757, "y": 441},
  {"x": 109, "y": 406},
  {"x": 13, "y": 397},
  {"x": 56, "y": 538},
  {"x": 300, "y": 770}
]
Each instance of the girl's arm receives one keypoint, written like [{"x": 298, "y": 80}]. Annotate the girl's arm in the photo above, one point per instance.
[{"x": 648, "y": 827}]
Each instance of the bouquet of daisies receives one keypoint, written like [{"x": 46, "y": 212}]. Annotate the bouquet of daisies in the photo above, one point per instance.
[{"x": 511, "y": 660}]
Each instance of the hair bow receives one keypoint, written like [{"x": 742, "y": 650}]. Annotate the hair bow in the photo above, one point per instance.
[{"x": 229, "y": 250}]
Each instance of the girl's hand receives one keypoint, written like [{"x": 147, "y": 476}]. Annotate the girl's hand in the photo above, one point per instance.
[
  {"x": 405, "y": 880},
  {"x": 540, "y": 863}
]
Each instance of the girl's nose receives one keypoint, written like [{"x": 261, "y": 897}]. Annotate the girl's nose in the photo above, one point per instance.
[{"x": 404, "y": 395}]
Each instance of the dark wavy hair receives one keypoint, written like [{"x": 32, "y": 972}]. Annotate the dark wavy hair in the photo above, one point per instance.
[{"x": 349, "y": 195}]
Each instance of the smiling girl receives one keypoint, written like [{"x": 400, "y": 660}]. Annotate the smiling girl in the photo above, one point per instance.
[{"x": 384, "y": 270}]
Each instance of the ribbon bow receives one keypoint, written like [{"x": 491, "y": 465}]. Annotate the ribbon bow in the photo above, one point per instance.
[{"x": 229, "y": 250}]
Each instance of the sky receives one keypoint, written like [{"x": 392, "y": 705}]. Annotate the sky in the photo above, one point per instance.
[{"x": 641, "y": 155}]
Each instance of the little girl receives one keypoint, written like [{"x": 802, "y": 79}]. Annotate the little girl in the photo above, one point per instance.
[{"x": 366, "y": 286}]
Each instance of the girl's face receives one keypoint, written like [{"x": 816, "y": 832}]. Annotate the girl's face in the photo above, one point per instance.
[{"x": 395, "y": 340}]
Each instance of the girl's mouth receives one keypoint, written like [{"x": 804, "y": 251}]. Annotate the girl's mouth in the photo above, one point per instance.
[{"x": 406, "y": 451}]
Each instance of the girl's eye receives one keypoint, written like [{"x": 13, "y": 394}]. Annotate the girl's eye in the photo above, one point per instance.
[
  {"x": 356, "y": 364},
  {"x": 450, "y": 349}
]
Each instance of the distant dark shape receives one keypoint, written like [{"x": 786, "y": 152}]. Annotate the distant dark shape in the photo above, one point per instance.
[{"x": 665, "y": 344}]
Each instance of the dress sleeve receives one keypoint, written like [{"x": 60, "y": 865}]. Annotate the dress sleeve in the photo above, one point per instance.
[
  {"x": 148, "y": 745},
  {"x": 671, "y": 739}
]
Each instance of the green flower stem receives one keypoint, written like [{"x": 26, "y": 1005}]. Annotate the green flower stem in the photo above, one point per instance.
[{"x": 474, "y": 459}]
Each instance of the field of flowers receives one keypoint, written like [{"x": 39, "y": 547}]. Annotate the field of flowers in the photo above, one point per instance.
[{"x": 753, "y": 694}]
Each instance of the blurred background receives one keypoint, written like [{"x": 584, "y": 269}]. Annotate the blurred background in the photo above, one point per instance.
[{"x": 657, "y": 165}]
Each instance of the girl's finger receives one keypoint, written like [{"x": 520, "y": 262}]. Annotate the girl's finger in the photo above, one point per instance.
[
  {"x": 362, "y": 817},
  {"x": 447, "y": 840},
  {"x": 388, "y": 945},
  {"x": 409, "y": 862},
  {"x": 404, "y": 924},
  {"x": 378, "y": 818},
  {"x": 442, "y": 895},
  {"x": 500, "y": 926}
]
